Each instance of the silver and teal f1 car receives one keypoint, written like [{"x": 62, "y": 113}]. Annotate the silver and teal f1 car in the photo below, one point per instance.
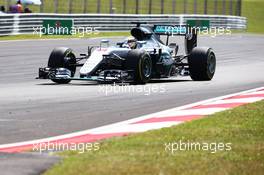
[{"x": 151, "y": 59}]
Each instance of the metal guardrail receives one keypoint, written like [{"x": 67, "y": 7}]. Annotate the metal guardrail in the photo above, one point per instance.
[{"x": 13, "y": 24}]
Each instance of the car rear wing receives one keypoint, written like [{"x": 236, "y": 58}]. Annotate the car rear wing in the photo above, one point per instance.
[
  {"x": 192, "y": 26},
  {"x": 171, "y": 30},
  {"x": 187, "y": 31}
]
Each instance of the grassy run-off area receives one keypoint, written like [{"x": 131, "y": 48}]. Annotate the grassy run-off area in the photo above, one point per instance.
[
  {"x": 79, "y": 6},
  {"x": 253, "y": 10},
  {"x": 145, "y": 153},
  {"x": 91, "y": 35}
]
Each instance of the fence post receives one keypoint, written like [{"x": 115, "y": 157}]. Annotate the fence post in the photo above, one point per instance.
[
  {"x": 224, "y": 7},
  {"x": 137, "y": 6},
  {"x": 150, "y": 6},
  {"x": 173, "y": 7},
  {"x": 41, "y": 8},
  {"x": 84, "y": 6},
  {"x": 195, "y": 6},
  {"x": 124, "y": 6},
  {"x": 98, "y": 6},
  {"x": 110, "y": 6},
  {"x": 185, "y": 6},
  {"x": 161, "y": 6},
  {"x": 70, "y": 6},
  {"x": 239, "y": 6},
  {"x": 56, "y": 4},
  {"x": 7, "y": 4},
  {"x": 231, "y": 7},
  {"x": 205, "y": 6},
  {"x": 215, "y": 7}
]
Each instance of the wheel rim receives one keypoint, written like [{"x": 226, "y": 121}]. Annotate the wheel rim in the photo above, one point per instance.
[
  {"x": 211, "y": 63},
  {"x": 146, "y": 67}
]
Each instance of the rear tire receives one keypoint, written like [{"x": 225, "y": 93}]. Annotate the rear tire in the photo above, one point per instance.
[
  {"x": 62, "y": 57},
  {"x": 202, "y": 64},
  {"x": 141, "y": 63}
]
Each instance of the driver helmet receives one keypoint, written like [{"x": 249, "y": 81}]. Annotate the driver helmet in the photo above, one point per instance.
[{"x": 132, "y": 42}]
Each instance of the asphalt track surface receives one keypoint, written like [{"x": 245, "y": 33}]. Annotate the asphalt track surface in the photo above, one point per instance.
[
  {"x": 26, "y": 163},
  {"x": 34, "y": 109}
]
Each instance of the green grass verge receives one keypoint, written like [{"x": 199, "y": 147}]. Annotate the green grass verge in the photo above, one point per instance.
[
  {"x": 145, "y": 153},
  {"x": 30, "y": 36},
  {"x": 79, "y": 6},
  {"x": 253, "y": 10}
]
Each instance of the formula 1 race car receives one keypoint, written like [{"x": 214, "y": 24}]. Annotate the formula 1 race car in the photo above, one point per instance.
[{"x": 149, "y": 58}]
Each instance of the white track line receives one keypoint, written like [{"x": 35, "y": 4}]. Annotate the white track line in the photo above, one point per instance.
[{"x": 238, "y": 100}]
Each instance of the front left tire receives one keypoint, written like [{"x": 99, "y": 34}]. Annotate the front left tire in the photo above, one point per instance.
[
  {"x": 62, "y": 57},
  {"x": 141, "y": 63}
]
